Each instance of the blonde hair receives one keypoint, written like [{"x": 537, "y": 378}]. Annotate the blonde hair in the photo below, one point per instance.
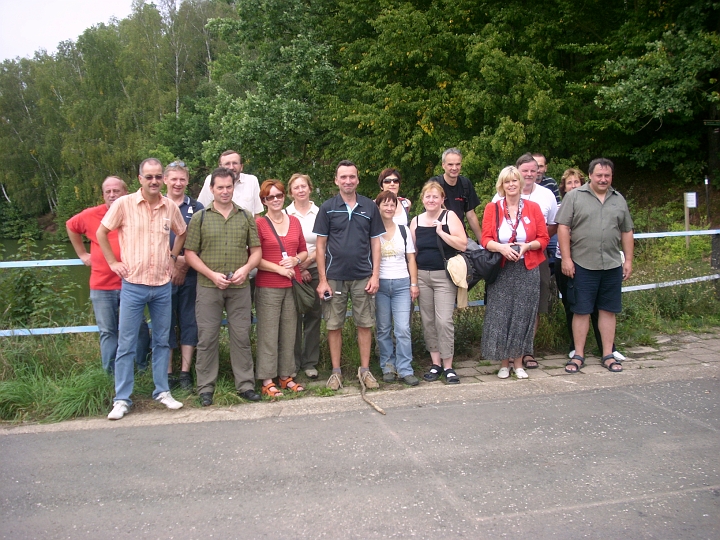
[
  {"x": 508, "y": 172},
  {"x": 299, "y": 176}
]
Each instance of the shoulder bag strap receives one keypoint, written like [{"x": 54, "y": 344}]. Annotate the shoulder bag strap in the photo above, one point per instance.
[{"x": 272, "y": 228}]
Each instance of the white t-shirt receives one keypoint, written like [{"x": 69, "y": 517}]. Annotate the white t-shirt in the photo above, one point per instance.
[
  {"x": 246, "y": 194},
  {"x": 392, "y": 255},
  {"x": 402, "y": 218},
  {"x": 544, "y": 198},
  {"x": 307, "y": 222}
]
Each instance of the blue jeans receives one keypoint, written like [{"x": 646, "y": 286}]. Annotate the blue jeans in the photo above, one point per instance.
[
  {"x": 106, "y": 305},
  {"x": 392, "y": 305},
  {"x": 133, "y": 299}
]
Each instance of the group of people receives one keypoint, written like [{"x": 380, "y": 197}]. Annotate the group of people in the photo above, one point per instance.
[{"x": 191, "y": 260}]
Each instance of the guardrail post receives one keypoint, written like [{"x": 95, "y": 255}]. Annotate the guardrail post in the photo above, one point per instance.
[{"x": 715, "y": 260}]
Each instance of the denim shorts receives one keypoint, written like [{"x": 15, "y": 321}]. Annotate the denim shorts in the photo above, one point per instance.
[{"x": 590, "y": 289}]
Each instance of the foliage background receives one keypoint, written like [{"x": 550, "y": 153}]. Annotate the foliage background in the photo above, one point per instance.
[{"x": 297, "y": 85}]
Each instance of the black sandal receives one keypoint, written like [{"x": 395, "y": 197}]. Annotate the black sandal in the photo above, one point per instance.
[
  {"x": 572, "y": 362},
  {"x": 526, "y": 364},
  {"x": 434, "y": 373},
  {"x": 609, "y": 366},
  {"x": 451, "y": 377}
]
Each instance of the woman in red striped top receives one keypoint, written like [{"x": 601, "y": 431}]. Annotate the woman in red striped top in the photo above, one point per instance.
[{"x": 283, "y": 247}]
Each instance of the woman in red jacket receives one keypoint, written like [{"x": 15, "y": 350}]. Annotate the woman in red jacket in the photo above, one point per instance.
[{"x": 519, "y": 234}]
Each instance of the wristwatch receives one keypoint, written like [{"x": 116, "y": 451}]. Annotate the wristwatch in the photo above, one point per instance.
[
  {"x": 173, "y": 257},
  {"x": 298, "y": 260}
]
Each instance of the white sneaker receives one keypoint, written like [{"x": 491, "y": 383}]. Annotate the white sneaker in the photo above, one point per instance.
[
  {"x": 571, "y": 354},
  {"x": 618, "y": 356},
  {"x": 504, "y": 373},
  {"x": 520, "y": 373},
  {"x": 170, "y": 402},
  {"x": 120, "y": 409}
]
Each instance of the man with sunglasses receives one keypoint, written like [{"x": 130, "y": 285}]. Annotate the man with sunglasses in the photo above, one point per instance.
[
  {"x": 143, "y": 220},
  {"x": 184, "y": 281},
  {"x": 246, "y": 188}
]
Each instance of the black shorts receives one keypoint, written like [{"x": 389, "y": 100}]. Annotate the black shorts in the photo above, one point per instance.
[{"x": 590, "y": 289}]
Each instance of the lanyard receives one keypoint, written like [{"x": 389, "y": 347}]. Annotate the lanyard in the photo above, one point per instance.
[{"x": 508, "y": 219}]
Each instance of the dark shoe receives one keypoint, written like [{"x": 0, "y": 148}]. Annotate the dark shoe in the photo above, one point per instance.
[
  {"x": 613, "y": 366},
  {"x": 186, "y": 381},
  {"x": 451, "y": 377},
  {"x": 529, "y": 362},
  {"x": 206, "y": 399},
  {"x": 173, "y": 382},
  {"x": 572, "y": 366},
  {"x": 411, "y": 380},
  {"x": 434, "y": 373},
  {"x": 250, "y": 395},
  {"x": 388, "y": 377}
]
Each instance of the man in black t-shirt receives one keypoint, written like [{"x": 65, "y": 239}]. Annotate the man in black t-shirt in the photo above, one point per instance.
[{"x": 460, "y": 196}]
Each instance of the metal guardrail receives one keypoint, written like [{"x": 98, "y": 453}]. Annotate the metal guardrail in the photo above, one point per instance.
[{"x": 714, "y": 263}]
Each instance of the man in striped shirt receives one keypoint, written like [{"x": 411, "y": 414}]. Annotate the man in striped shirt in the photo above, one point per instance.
[{"x": 144, "y": 220}]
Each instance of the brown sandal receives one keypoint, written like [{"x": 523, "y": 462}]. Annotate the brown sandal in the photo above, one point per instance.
[
  {"x": 270, "y": 390},
  {"x": 285, "y": 382}
]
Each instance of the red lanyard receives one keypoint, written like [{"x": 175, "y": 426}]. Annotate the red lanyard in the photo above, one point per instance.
[{"x": 514, "y": 228}]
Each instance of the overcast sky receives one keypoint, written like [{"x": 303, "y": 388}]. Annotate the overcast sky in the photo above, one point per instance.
[{"x": 27, "y": 26}]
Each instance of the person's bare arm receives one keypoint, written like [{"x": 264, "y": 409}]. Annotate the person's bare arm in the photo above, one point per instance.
[
  {"x": 241, "y": 274},
  {"x": 628, "y": 244},
  {"x": 474, "y": 224},
  {"x": 119, "y": 267},
  {"x": 374, "y": 282},
  {"x": 568, "y": 266},
  {"x": 323, "y": 286},
  {"x": 78, "y": 245}
]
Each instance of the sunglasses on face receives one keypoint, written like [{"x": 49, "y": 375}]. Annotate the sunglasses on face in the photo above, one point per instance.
[
  {"x": 177, "y": 164},
  {"x": 391, "y": 181},
  {"x": 149, "y": 177},
  {"x": 271, "y": 198}
]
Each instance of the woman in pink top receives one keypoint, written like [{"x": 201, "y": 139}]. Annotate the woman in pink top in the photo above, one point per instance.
[{"x": 283, "y": 251}]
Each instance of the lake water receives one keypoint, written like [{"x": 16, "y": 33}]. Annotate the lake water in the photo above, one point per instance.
[{"x": 76, "y": 274}]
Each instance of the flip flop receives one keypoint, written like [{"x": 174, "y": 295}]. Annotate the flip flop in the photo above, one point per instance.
[{"x": 527, "y": 364}]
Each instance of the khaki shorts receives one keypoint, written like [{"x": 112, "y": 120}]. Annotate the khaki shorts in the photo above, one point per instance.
[
  {"x": 544, "y": 305},
  {"x": 363, "y": 304}
]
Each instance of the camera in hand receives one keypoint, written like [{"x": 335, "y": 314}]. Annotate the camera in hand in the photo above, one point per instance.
[
  {"x": 229, "y": 276},
  {"x": 516, "y": 248},
  {"x": 327, "y": 296}
]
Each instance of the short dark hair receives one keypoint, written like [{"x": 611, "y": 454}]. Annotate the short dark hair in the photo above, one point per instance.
[
  {"x": 386, "y": 196},
  {"x": 387, "y": 172},
  {"x": 539, "y": 154},
  {"x": 345, "y": 163},
  {"x": 221, "y": 172},
  {"x": 227, "y": 153},
  {"x": 146, "y": 161},
  {"x": 602, "y": 162},
  {"x": 525, "y": 158}
]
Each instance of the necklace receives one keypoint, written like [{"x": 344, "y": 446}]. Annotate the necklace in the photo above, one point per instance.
[{"x": 282, "y": 218}]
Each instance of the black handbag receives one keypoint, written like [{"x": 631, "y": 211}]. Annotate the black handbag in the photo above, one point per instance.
[
  {"x": 481, "y": 263},
  {"x": 304, "y": 293}
]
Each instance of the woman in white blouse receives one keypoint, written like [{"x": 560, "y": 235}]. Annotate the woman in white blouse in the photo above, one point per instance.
[
  {"x": 398, "y": 289},
  {"x": 307, "y": 338}
]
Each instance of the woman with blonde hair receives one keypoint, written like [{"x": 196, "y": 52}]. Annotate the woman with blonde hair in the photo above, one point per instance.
[
  {"x": 438, "y": 235},
  {"x": 515, "y": 228},
  {"x": 307, "y": 337}
]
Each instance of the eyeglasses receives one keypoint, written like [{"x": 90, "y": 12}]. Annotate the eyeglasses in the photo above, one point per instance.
[
  {"x": 177, "y": 164},
  {"x": 149, "y": 177},
  {"x": 391, "y": 181},
  {"x": 271, "y": 198}
]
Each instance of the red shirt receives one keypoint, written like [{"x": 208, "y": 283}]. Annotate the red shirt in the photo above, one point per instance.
[
  {"x": 87, "y": 222},
  {"x": 293, "y": 242}
]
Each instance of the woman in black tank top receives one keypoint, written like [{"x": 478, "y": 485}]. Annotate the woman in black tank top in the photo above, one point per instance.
[{"x": 434, "y": 228}]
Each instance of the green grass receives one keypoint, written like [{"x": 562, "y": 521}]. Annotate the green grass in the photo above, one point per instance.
[{"x": 54, "y": 378}]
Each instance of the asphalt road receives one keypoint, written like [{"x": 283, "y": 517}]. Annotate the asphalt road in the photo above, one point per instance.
[{"x": 609, "y": 456}]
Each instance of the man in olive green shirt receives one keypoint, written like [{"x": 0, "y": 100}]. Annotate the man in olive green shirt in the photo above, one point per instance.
[
  {"x": 594, "y": 225},
  {"x": 217, "y": 245}
]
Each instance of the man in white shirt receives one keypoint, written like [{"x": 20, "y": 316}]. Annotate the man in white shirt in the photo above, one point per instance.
[{"x": 246, "y": 193}]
